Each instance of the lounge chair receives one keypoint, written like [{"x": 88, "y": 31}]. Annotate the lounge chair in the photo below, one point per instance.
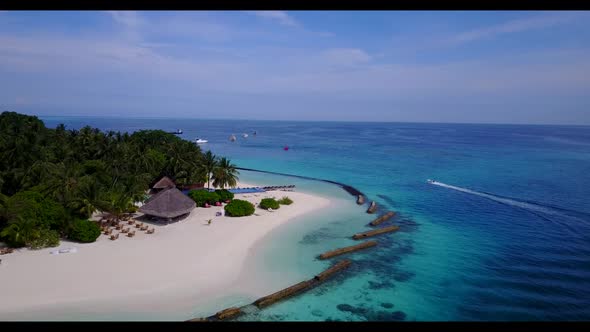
[
  {"x": 125, "y": 230},
  {"x": 131, "y": 234},
  {"x": 151, "y": 231},
  {"x": 118, "y": 227},
  {"x": 144, "y": 228},
  {"x": 131, "y": 222}
]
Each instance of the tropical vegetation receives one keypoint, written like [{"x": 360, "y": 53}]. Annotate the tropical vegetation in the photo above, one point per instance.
[
  {"x": 202, "y": 197},
  {"x": 53, "y": 180},
  {"x": 269, "y": 203},
  {"x": 239, "y": 208},
  {"x": 285, "y": 201},
  {"x": 225, "y": 174},
  {"x": 84, "y": 231},
  {"x": 224, "y": 195}
]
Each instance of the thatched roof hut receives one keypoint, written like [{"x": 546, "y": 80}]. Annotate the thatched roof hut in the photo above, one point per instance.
[
  {"x": 169, "y": 203},
  {"x": 163, "y": 183}
]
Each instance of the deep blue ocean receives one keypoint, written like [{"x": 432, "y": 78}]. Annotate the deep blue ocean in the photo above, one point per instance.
[{"x": 504, "y": 236}]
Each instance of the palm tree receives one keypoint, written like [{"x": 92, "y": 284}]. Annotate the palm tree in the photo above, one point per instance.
[
  {"x": 209, "y": 163},
  {"x": 60, "y": 181},
  {"x": 20, "y": 233},
  {"x": 117, "y": 200},
  {"x": 88, "y": 197},
  {"x": 225, "y": 174}
]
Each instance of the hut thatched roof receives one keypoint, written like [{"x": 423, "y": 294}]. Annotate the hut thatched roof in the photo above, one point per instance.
[
  {"x": 169, "y": 203},
  {"x": 164, "y": 182}
]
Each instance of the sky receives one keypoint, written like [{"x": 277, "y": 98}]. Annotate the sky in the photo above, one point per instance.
[{"x": 408, "y": 66}]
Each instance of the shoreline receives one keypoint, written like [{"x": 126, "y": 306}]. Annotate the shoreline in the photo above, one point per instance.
[{"x": 182, "y": 266}]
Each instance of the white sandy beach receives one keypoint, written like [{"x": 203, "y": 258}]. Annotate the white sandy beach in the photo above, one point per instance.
[{"x": 180, "y": 266}]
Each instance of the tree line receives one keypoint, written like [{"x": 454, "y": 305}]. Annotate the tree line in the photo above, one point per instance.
[{"x": 53, "y": 180}]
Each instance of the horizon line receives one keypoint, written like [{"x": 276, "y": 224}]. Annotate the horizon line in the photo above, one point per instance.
[{"x": 285, "y": 120}]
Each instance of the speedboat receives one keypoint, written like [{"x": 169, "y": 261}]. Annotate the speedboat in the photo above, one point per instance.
[
  {"x": 232, "y": 138},
  {"x": 200, "y": 141},
  {"x": 245, "y": 135},
  {"x": 430, "y": 181}
]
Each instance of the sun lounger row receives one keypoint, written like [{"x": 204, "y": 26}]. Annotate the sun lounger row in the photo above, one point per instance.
[
  {"x": 279, "y": 187},
  {"x": 132, "y": 233}
]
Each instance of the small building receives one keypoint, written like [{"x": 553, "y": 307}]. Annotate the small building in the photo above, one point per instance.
[
  {"x": 169, "y": 204},
  {"x": 164, "y": 183}
]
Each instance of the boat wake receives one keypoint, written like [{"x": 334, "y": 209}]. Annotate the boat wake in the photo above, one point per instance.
[{"x": 529, "y": 206}]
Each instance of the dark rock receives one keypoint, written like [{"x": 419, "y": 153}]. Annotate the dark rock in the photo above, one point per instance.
[
  {"x": 385, "y": 316},
  {"x": 354, "y": 310},
  {"x": 398, "y": 315},
  {"x": 381, "y": 285},
  {"x": 345, "y": 307},
  {"x": 387, "y": 305},
  {"x": 402, "y": 276}
]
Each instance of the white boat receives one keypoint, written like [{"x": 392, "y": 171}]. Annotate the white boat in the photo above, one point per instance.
[
  {"x": 232, "y": 138},
  {"x": 430, "y": 181},
  {"x": 245, "y": 135},
  {"x": 200, "y": 141}
]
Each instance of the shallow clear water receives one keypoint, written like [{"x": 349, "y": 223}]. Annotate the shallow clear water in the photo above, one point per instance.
[{"x": 504, "y": 236}]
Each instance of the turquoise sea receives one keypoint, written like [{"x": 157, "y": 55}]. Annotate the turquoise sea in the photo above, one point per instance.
[{"x": 504, "y": 236}]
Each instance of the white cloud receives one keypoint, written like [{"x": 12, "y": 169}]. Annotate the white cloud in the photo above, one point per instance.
[
  {"x": 518, "y": 25},
  {"x": 279, "y": 16},
  {"x": 107, "y": 65}
]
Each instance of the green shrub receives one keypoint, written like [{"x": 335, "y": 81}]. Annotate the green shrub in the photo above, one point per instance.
[
  {"x": 203, "y": 196},
  {"x": 20, "y": 233},
  {"x": 132, "y": 209},
  {"x": 224, "y": 194},
  {"x": 285, "y": 201},
  {"x": 239, "y": 208},
  {"x": 84, "y": 231},
  {"x": 34, "y": 207},
  {"x": 267, "y": 203},
  {"x": 47, "y": 238}
]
